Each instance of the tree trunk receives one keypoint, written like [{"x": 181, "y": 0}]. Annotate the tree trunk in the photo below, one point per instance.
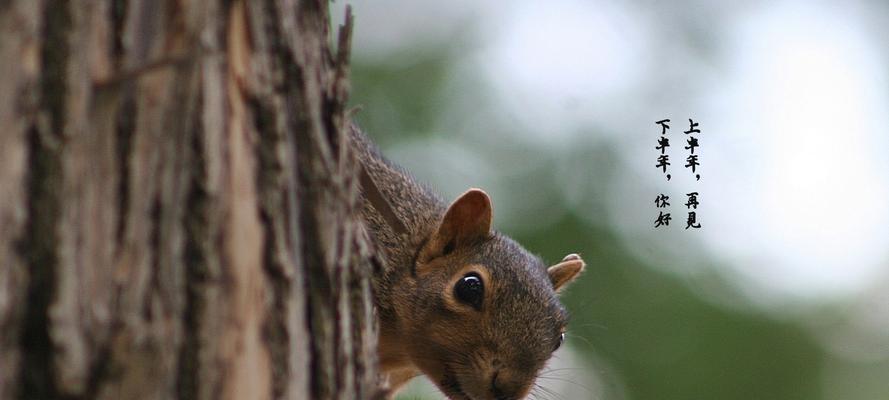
[{"x": 178, "y": 215}]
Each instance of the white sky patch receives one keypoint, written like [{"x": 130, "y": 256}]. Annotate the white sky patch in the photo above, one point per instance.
[
  {"x": 557, "y": 65},
  {"x": 804, "y": 140}
]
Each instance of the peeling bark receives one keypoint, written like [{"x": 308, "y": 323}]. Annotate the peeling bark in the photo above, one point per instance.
[{"x": 179, "y": 210}]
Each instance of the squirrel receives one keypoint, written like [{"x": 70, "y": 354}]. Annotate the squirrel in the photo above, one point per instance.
[{"x": 455, "y": 300}]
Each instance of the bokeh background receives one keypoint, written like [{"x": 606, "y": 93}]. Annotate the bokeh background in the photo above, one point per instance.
[{"x": 550, "y": 107}]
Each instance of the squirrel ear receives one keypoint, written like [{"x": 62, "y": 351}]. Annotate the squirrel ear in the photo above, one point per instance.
[
  {"x": 564, "y": 272},
  {"x": 468, "y": 219}
]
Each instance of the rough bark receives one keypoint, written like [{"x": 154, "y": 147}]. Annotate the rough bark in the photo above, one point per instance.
[{"x": 178, "y": 208}]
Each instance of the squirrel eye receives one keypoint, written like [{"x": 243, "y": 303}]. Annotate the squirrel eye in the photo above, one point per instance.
[
  {"x": 561, "y": 340},
  {"x": 470, "y": 290}
]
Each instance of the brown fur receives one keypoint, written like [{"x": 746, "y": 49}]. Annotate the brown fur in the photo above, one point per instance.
[{"x": 494, "y": 352}]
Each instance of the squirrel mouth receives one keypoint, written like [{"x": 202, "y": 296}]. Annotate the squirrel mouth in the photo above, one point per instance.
[{"x": 451, "y": 386}]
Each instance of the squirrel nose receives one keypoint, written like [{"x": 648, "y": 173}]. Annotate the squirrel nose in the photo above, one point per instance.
[{"x": 502, "y": 389}]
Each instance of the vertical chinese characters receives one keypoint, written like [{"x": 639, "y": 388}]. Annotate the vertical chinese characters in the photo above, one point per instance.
[
  {"x": 692, "y": 162},
  {"x": 663, "y": 160},
  {"x": 663, "y": 218},
  {"x": 692, "y": 221}
]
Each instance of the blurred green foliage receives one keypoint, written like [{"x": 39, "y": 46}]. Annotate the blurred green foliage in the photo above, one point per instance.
[
  {"x": 400, "y": 101},
  {"x": 663, "y": 341}
]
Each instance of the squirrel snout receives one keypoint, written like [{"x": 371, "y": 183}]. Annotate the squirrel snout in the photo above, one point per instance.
[{"x": 506, "y": 387}]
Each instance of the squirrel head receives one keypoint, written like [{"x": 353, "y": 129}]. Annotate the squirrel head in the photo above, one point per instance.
[{"x": 483, "y": 316}]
